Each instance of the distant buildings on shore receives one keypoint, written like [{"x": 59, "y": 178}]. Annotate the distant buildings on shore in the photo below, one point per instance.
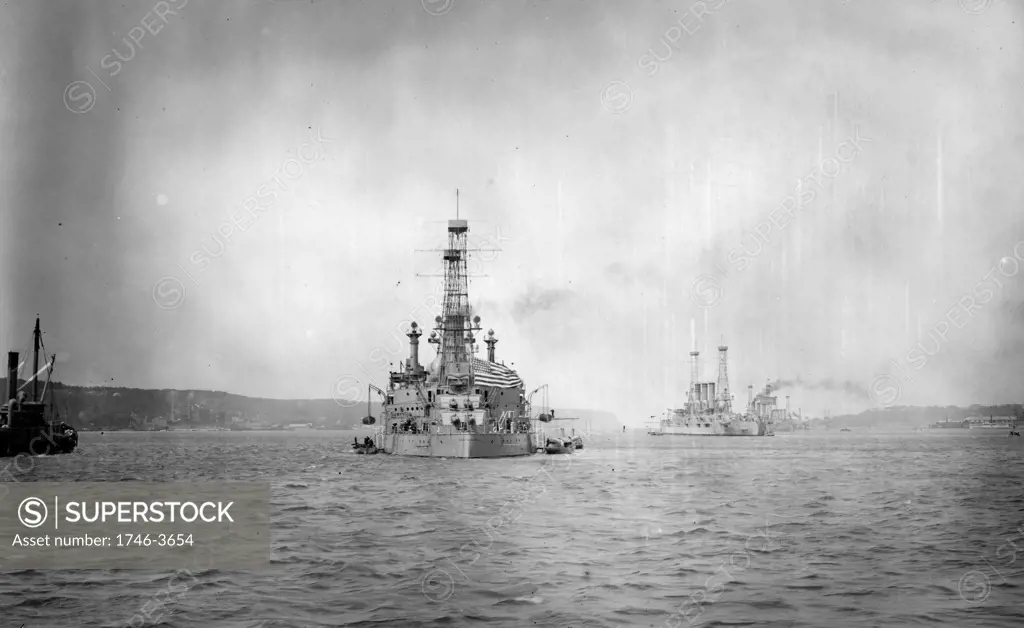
[{"x": 977, "y": 422}]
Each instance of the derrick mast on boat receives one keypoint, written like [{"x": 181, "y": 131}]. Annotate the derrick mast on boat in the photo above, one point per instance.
[{"x": 459, "y": 406}]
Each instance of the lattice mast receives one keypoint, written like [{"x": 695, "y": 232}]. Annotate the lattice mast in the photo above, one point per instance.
[
  {"x": 724, "y": 398},
  {"x": 694, "y": 396},
  {"x": 455, "y": 327}
]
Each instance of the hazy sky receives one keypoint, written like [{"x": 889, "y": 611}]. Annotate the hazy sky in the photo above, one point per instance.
[{"x": 613, "y": 168}]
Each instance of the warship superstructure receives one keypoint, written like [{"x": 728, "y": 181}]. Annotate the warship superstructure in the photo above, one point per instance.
[
  {"x": 708, "y": 410},
  {"x": 459, "y": 406},
  {"x": 25, "y": 428},
  {"x": 790, "y": 421},
  {"x": 764, "y": 409}
]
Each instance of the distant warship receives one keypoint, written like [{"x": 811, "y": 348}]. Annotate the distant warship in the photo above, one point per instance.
[
  {"x": 459, "y": 406},
  {"x": 708, "y": 414},
  {"x": 24, "y": 426}
]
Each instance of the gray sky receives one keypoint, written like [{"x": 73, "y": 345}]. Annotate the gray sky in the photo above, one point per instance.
[{"x": 608, "y": 201}]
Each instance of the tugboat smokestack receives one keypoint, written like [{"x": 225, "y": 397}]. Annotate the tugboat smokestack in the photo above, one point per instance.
[{"x": 12, "y": 374}]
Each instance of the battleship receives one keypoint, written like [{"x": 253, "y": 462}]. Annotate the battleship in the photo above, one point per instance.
[
  {"x": 25, "y": 428},
  {"x": 708, "y": 410},
  {"x": 763, "y": 407},
  {"x": 789, "y": 421},
  {"x": 459, "y": 406}
]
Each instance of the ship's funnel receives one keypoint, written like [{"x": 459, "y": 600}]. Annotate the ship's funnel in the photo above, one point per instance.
[
  {"x": 12, "y": 374},
  {"x": 414, "y": 347},
  {"x": 694, "y": 384},
  {"x": 491, "y": 341}
]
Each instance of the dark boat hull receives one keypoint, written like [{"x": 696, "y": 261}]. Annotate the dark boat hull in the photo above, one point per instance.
[
  {"x": 36, "y": 441},
  {"x": 554, "y": 446}
]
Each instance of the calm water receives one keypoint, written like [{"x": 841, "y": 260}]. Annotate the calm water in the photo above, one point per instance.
[{"x": 829, "y": 529}]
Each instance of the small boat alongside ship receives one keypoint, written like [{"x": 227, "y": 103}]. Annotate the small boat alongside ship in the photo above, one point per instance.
[
  {"x": 25, "y": 426},
  {"x": 559, "y": 446},
  {"x": 365, "y": 447}
]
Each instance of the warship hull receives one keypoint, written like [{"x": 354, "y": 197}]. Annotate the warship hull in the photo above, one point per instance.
[
  {"x": 458, "y": 445},
  {"x": 35, "y": 441},
  {"x": 715, "y": 428}
]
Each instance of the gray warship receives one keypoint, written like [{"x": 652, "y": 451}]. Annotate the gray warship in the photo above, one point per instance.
[
  {"x": 708, "y": 410},
  {"x": 459, "y": 406}
]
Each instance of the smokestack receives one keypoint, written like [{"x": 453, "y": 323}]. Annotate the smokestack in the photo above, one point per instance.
[
  {"x": 694, "y": 385},
  {"x": 12, "y": 375},
  {"x": 750, "y": 394},
  {"x": 36, "y": 335},
  {"x": 491, "y": 341},
  {"x": 414, "y": 347}
]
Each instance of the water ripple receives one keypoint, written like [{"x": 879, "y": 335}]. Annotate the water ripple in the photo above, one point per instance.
[{"x": 798, "y": 530}]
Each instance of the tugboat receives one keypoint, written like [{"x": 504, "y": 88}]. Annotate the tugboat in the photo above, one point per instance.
[
  {"x": 708, "y": 414},
  {"x": 459, "y": 406},
  {"x": 24, "y": 426}
]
